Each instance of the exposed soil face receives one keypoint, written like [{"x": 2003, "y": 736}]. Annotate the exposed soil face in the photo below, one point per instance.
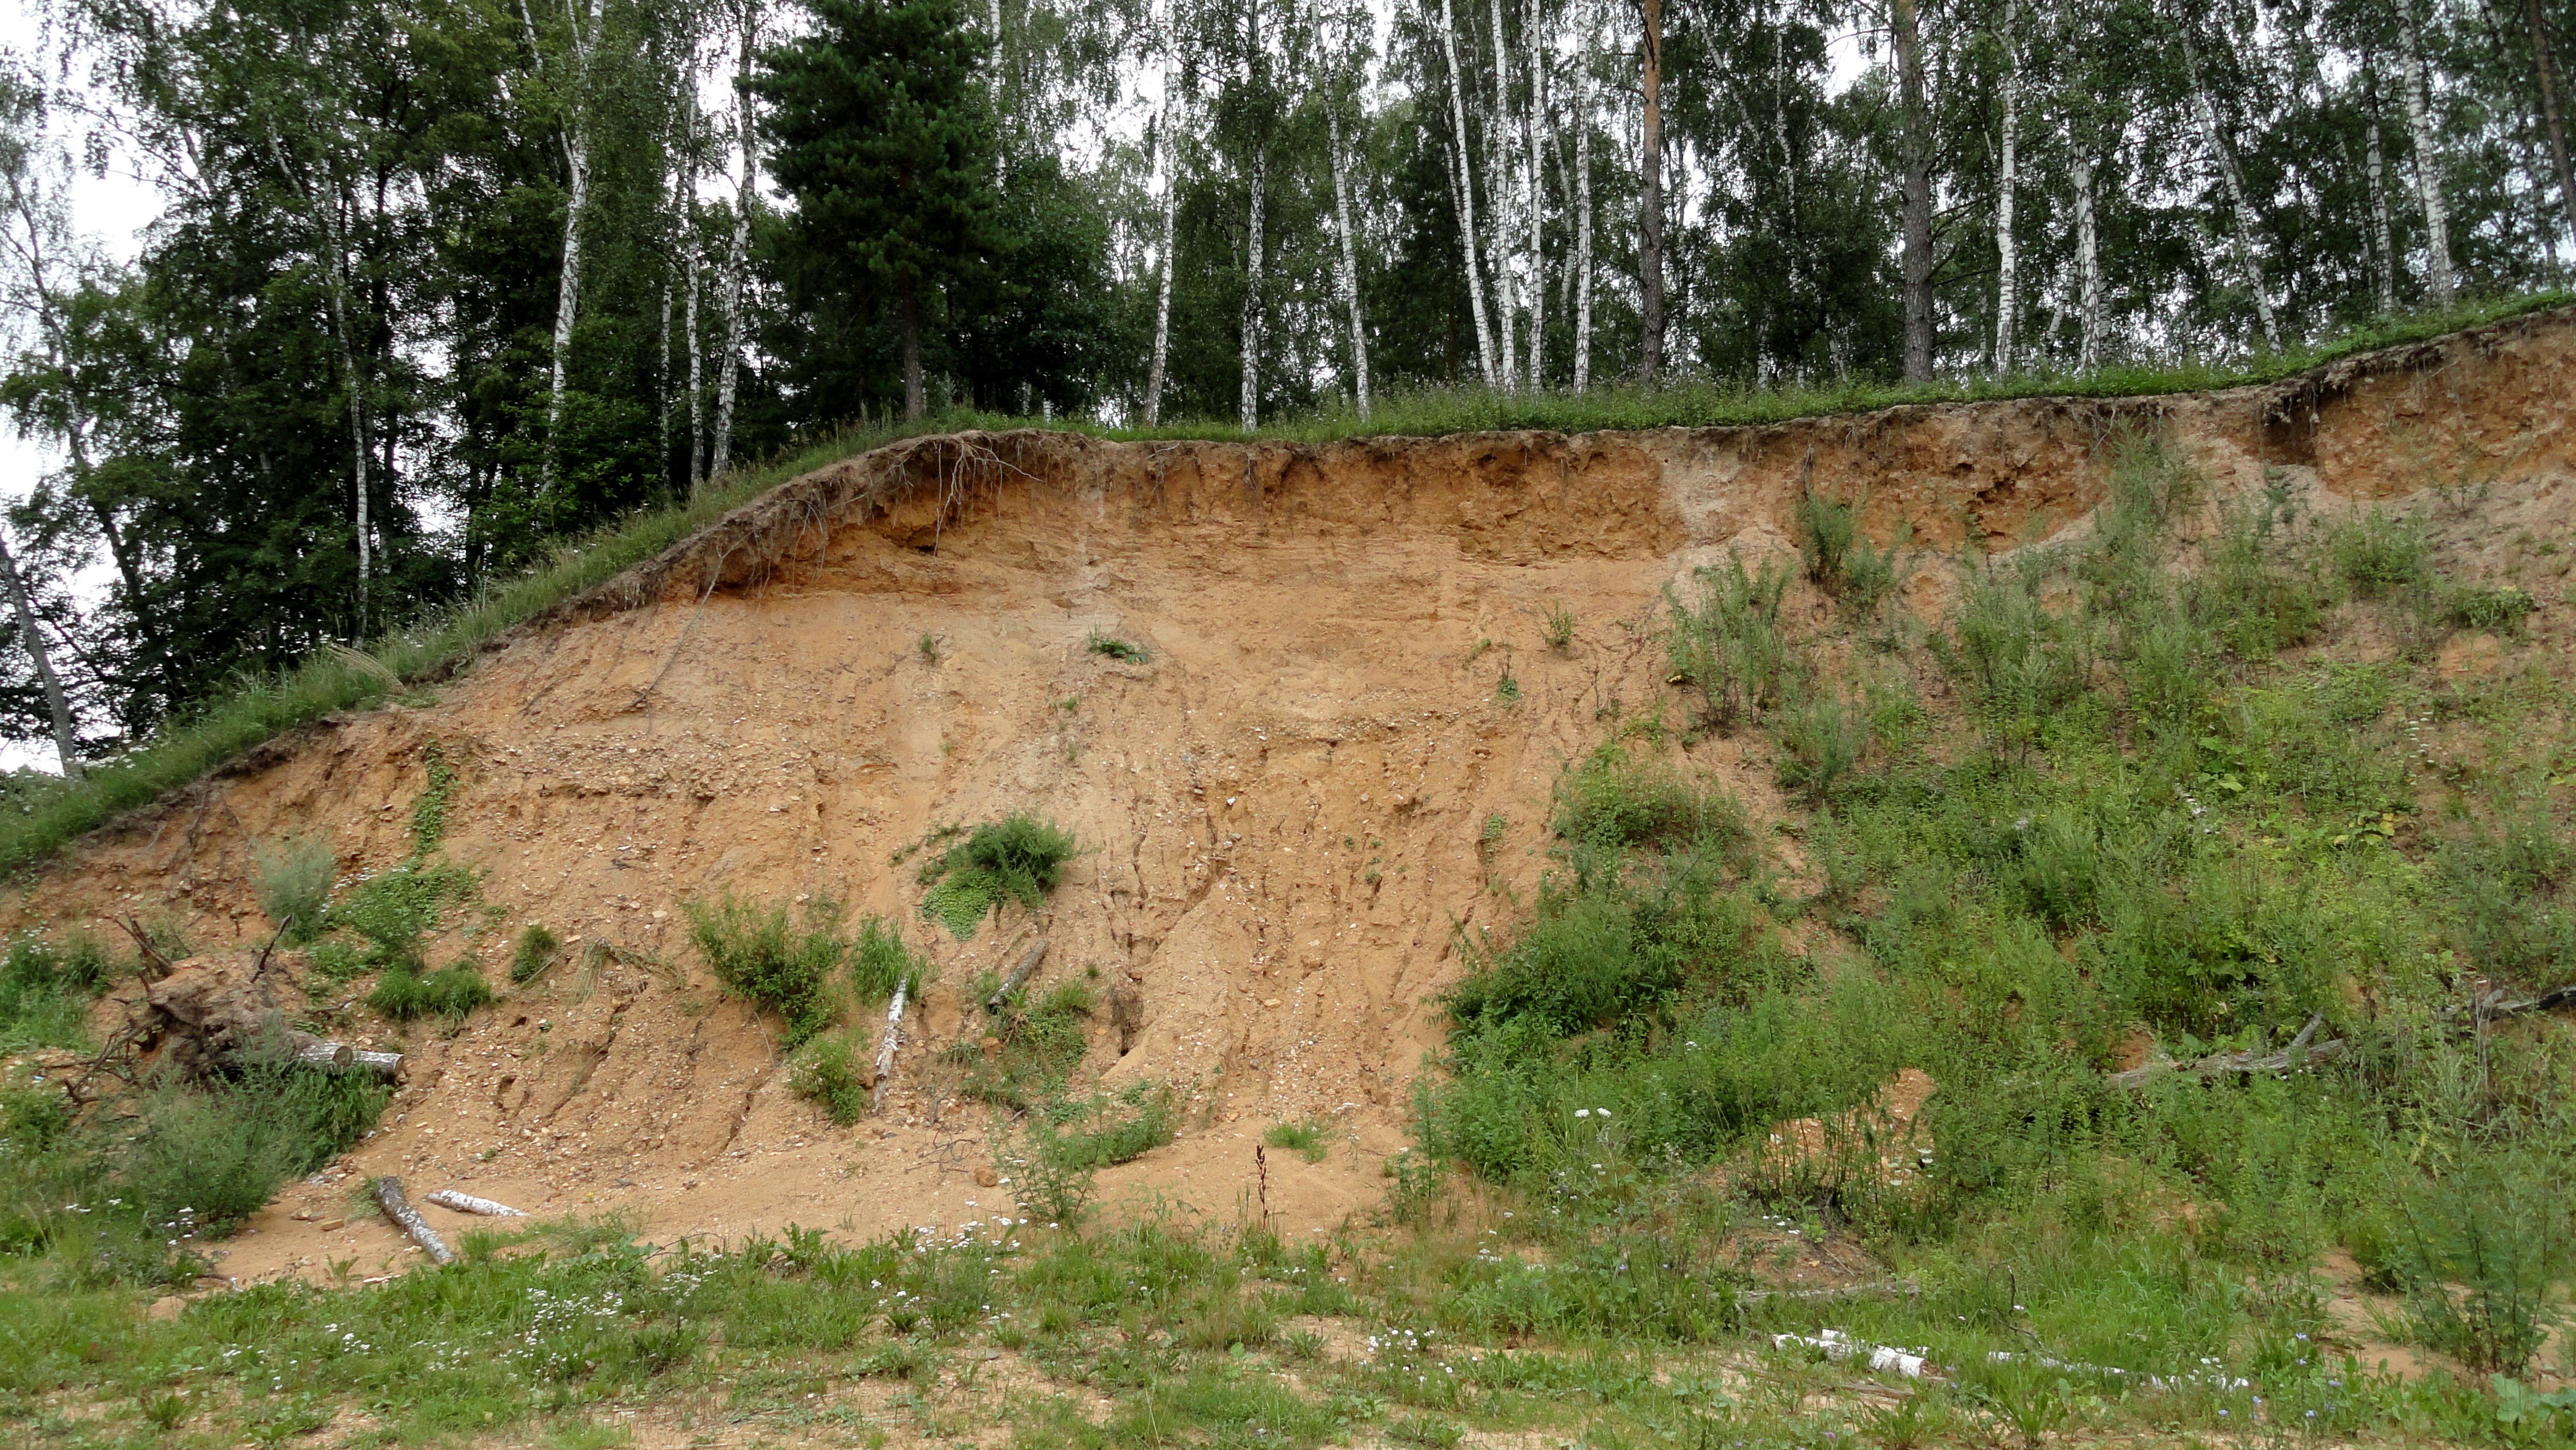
[{"x": 1291, "y": 810}]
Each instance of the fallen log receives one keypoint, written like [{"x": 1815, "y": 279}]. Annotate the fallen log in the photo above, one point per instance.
[
  {"x": 341, "y": 1057},
  {"x": 1891, "y": 1288},
  {"x": 886, "y": 1049},
  {"x": 1020, "y": 974},
  {"x": 2299, "y": 1053},
  {"x": 2495, "y": 1004},
  {"x": 449, "y": 1198},
  {"x": 389, "y": 1197}
]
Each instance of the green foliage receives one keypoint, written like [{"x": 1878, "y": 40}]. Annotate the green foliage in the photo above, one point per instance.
[
  {"x": 879, "y": 960},
  {"x": 405, "y": 994},
  {"x": 1116, "y": 649},
  {"x": 429, "y": 808},
  {"x": 291, "y": 878},
  {"x": 1018, "y": 858},
  {"x": 1064, "y": 1144},
  {"x": 537, "y": 949},
  {"x": 1559, "y": 626},
  {"x": 394, "y": 909},
  {"x": 2378, "y": 554},
  {"x": 1306, "y": 1139},
  {"x": 1839, "y": 559},
  {"x": 46, "y": 988},
  {"x": 2019, "y": 661},
  {"x": 1040, "y": 1042},
  {"x": 206, "y": 1157},
  {"x": 2497, "y": 611},
  {"x": 1820, "y": 739},
  {"x": 827, "y": 1070},
  {"x": 2482, "y": 1250},
  {"x": 1729, "y": 645},
  {"x": 763, "y": 956}
]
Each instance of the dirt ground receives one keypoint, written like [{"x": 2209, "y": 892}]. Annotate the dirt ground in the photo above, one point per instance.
[{"x": 1332, "y": 769}]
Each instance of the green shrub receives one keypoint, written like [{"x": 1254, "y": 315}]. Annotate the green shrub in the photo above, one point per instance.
[
  {"x": 429, "y": 808},
  {"x": 1559, "y": 626},
  {"x": 404, "y": 994},
  {"x": 1729, "y": 646},
  {"x": 1063, "y": 1145},
  {"x": 291, "y": 878},
  {"x": 827, "y": 1070},
  {"x": 46, "y": 989},
  {"x": 1839, "y": 559},
  {"x": 2379, "y": 554},
  {"x": 1019, "y": 858},
  {"x": 1041, "y": 1043},
  {"x": 879, "y": 960},
  {"x": 394, "y": 909},
  {"x": 2497, "y": 611},
  {"x": 2020, "y": 661},
  {"x": 2255, "y": 592},
  {"x": 1820, "y": 742},
  {"x": 762, "y": 956},
  {"x": 1614, "y": 800},
  {"x": 537, "y": 950},
  {"x": 209, "y": 1156},
  {"x": 2481, "y": 1251},
  {"x": 1116, "y": 649}
]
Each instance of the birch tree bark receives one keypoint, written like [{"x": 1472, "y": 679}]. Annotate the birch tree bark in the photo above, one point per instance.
[
  {"x": 66, "y": 739},
  {"x": 1915, "y": 161},
  {"x": 2382, "y": 238},
  {"x": 2007, "y": 300},
  {"x": 1534, "y": 37},
  {"x": 576, "y": 150},
  {"x": 1582, "y": 108},
  {"x": 738, "y": 248},
  {"x": 1350, "y": 268},
  {"x": 2088, "y": 268},
  {"x": 2546, "y": 72},
  {"x": 326, "y": 218},
  {"x": 2428, "y": 160},
  {"x": 2225, "y": 159},
  {"x": 1463, "y": 177},
  {"x": 1650, "y": 191},
  {"x": 1251, "y": 382},
  {"x": 688, "y": 259},
  {"x": 1500, "y": 195},
  {"x": 1168, "y": 148}
]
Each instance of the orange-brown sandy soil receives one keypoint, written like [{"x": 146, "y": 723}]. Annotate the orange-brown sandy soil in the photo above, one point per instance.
[{"x": 1292, "y": 813}]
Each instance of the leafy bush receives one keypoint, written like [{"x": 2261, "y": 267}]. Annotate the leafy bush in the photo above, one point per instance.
[
  {"x": 1615, "y": 800},
  {"x": 429, "y": 808},
  {"x": 2021, "y": 661},
  {"x": 2497, "y": 611},
  {"x": 879, "y": 960},
  {"x": 2379, "y": 554},
  {"x": 291, "y": 877},
  {"x": 394, "y": 909},
  {"x": 1064, "y": 1145},
  {"x": 404, "y": 994},
  {"x": 2481, "y": 1251},
  {"x": 210, "y": 1156},
  {"x": 537, "y": 950},
  {"x": 828, "y": 1070},
  {"x": 45, "y": 991},
  {"x": 1839, "y": 559},
  {"x": 762, "y": 956},
  {"x": 2255, "y": 593},
  {"x": 1039, "y": 1045},
  {"x": 1116, "y": 649},
  {"x": 1019, "y": 858},
  {"x": 1820, "y": 743},
  {"x": 1729, "y": 646}
]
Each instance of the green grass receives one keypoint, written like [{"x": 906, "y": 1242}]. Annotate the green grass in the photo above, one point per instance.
[{"x": 1018, "y": 858}]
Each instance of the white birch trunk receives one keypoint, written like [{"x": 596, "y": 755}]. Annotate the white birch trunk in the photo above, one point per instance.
[
  {"x": 1464, "y": 178},
  {"x": 336, "y": 290},
  {"x": 1169, "y": 145},
  {"x": 1504, "y": 247},
  {"x": 2234, "y": 183},
  {"x": 2088, "y": 270},
  {"x": 66, "y": 738},
  {"x": 737, "y": 252},
  {"x": 576, "y": 149},
  {"x": 2428, "y": 162},
  {"x": 689, "y": 318},
  {"x": 1534, "y": 42},
  {"x": 1350, "y": 269},
  {"x": 1251, "y": 385},
  {"x": 1583, "y": 211},
  {"x": 2007, "y": 299},
  {"x": 2382, "y": 236}
]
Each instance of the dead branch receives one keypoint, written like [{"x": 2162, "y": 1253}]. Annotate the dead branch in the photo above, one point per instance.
[
  {"x": 450, "y": 1198},
  {"x": 886, "y": 1049},
  {"x": 2300, "y": 1053},
  {"x": 1020, "y": 974},
  {"x": 147, "y": 956},
  {"x": 389, "y": 1197}
]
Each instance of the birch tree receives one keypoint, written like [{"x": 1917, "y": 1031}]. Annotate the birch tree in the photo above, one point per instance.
[
  {"x": 2438, "y": 277},
  {"x": 2223, "y": 159},
  {"x": 1580, "y": 104},
  {"x": 738, "y": 247},
  {"x": 581, "y": 25},
  {"x": 1255, "y": 60},
  {"x": 1650, "y": 188},
  {"x": 2382, "y": 238},
  {"x": 1167, "y": 143},
  {"x": 1462, "y": 177},
  {"x": 2007, "y": 299}
]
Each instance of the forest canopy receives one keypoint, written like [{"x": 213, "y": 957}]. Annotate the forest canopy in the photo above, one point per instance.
[{"x": 439, "y": 284}]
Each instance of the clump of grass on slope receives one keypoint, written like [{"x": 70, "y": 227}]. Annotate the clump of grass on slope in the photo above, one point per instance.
[
  {"x": 763, "y": 955},
  {"x": 1018, "y": 858}
]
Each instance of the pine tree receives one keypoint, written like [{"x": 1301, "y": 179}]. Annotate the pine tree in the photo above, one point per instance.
[{"x": 883, "y": 135}]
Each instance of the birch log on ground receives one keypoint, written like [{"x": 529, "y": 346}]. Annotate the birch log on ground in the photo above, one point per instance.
[
  {"x": 1020, "y": 973},
  {"x": 389, "y": 1197},
  {"x": 886, "y": 1049},
  {"x": 341, "y": 1057},
  {"x": 449, "y": 1198},
  {"x": 2298, "y": 1054}
]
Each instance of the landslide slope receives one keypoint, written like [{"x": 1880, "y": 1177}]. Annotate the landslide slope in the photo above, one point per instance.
[{"x": 1336, "y": 757}]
